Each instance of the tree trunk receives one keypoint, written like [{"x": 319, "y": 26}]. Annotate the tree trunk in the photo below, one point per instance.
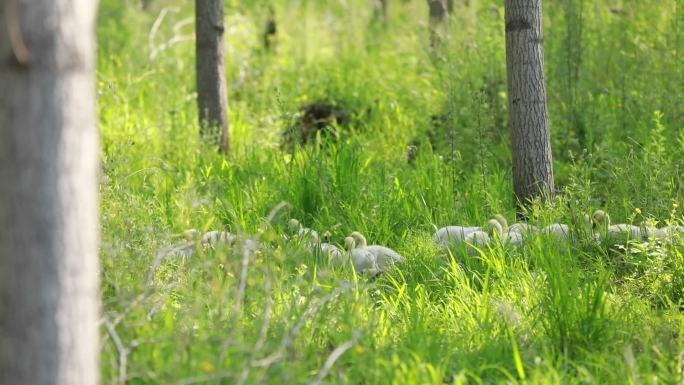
[
  {"x": 381, "y": 10},
  {"x": 49, "y": 149},
  {"x": 438, "y": 12},
  {"x": 440, "y": 9},
  {"x": 212, "y": 96},
  {"x": 270, "y": 29},
  {"x": 530, "y": 136}
]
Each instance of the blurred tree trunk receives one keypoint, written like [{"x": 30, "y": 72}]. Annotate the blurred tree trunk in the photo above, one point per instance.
[
  {"x": 212, "y": 95},
  {"x": 381, "y": 10},
  {"x": 49, "y": 148},
  {"x": 439, "y": 10},
  {"x": 270, "y": 29},
  {"x": 530, "y": 136}
]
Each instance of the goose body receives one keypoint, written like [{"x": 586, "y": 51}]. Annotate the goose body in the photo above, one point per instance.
[
  {"x": 523, "y": 228},
  {"x": 210, "y": 240},
  {"x": 558, "y": 230},
  {"x": 513, "y": 235},
  {"x": 451, "y": 236},
  {"x": 666, "y": 232},
  {"x": 476, "y": 240},
  {"x": 327, "y": 248},
  {"x": 180, "y": 250},
  {"x": 333, "y": 253},
  {"x": 384, "y": 256},
  {"x": 214, "y": 238},
  {"x": 302, "y": 232},
  {"x": 632, "y": 231},
  {"x": 513, "y": 238},
  {"x": 619, "y": 232},
  {"x": 364, "y": 261},
  {"x": 676, "y": 232},
  {"x": 306, "y": 232},
  {"x": 481, "y": 238},
  {"x": 658, "y": 233}
]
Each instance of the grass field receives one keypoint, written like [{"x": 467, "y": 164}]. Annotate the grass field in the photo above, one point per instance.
[{"x": 548, "y": 313}]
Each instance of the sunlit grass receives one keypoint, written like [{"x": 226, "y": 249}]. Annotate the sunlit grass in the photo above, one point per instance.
[{"x": 548, "y": 313}]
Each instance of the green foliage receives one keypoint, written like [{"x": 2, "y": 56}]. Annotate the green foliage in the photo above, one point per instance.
[{"x": 548, "y": 313}]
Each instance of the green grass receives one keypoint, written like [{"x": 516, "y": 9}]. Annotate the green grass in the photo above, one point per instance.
[{"x": 549, "y": 313}]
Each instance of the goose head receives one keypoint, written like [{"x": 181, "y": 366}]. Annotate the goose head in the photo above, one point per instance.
[
  {"x": 349, "y": 243},
  {"x": 293, "y": 225},
  {"x": 495, "y": 227},
  {"x": 601, "y": 219},
  {"x": 359, "y": 239},
  {"x": 502, "y": 221}
]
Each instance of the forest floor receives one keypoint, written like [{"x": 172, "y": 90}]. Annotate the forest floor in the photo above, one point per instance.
[{"x": 421, "y": 141}]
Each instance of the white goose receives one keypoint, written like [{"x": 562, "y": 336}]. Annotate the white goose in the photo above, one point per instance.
[
  {"x": 667, "y": 233},
  {"x": 502, "y": 221},
  {"x": 184, "y": 249},
  {"x": 384, "y": 256},
  {"x": 557, "y": 230},
  {"x": 676, "y": 232},
  {"x": 513, "y": 238},
  {"x": 302, "y": 232},
  {"x": 619, "y": 232},
  {"x": 525, "y": 229},
  {"x": 331, "y": 252},
  {"x": 213, "y": 239},
  {"x": 480, "y": 238},
  {"x": 589, "y": 231},
  {"x": 515, "y": 234},
  {"x": 450, "y": 237},
  {"x": 364, "y": 261},
  {"x": 209, "y": 240}
]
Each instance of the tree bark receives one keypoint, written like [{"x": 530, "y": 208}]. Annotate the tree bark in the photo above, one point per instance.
[
  {"x": 270, "y": 29},
  {"x": 212, "y": 95},
  {"x": 438, "y": 10},
  {"x": 49, "y": 149},
  {"x": 530, "y": 135},
  {"x": 381, "y": 10}
]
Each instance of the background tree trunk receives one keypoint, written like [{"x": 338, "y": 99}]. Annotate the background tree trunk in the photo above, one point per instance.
[
  {"x": 438, "y": 10},
  {"x": 49, "y": 149},
  {"x": 530, "y": 136},
  {"x": 212, "y": 96},
  {"x": 381, "y": 10},
  {"x": 270, "y": 29}
]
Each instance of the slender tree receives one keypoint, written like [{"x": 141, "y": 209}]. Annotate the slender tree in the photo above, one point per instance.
[
  {"x": 530, "y": 136},
  {"x": 270, "y": 29},
  {"x": 438, "y": 11},
  {"x": 381, "y": 10},
  {"x": 49, "y": 148},
  {"x": 212, "y": 95}
]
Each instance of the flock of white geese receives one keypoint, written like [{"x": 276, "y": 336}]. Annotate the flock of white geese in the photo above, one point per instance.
[
  {"x": 596, "y": 228},
  {"x": 374, "y": 259}
]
